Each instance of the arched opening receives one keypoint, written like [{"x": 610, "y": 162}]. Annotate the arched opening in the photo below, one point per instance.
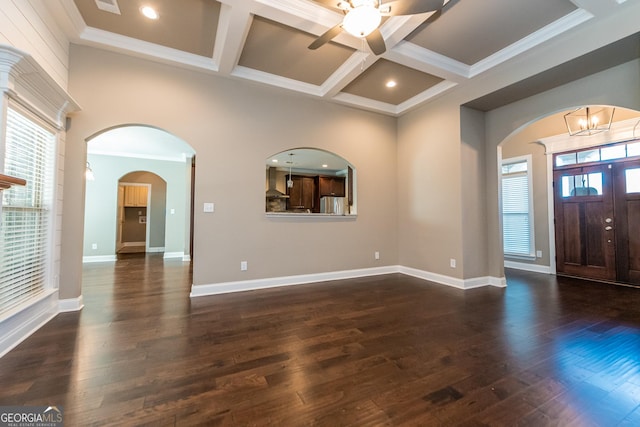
[
  {"x": 531, "y": 159},
  {"x": 141, "y": 222},
  {"x": 157, "y": 167},
  {"x": 310, "y": 181}
]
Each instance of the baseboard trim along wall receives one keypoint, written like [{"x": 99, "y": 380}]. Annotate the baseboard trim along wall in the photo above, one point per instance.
[
  {"x": 70, "y": 304},
  {"x": 99, "y": 258},
  {"x": 173, "y": 255},
  {"x": 475, "y": 282},
  {"x": 273, "y": 282},
  {"x": 249, "y": 285},
  {"x": 20, "y": 325},
  {"x": 156, "y": 249},
  {"x": 528, "y": 267}
]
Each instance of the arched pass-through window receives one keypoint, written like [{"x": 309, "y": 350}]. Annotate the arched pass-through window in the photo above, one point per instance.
[{"x": 309, "y": 181}]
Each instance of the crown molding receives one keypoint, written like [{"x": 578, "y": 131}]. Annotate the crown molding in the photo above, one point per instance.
[{"x": 542, "y": 35}]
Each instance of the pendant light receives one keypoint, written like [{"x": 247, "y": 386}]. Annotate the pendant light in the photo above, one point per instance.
[
  {"x": 290, "y": 181},
  {"x": 587, "y": 121}
]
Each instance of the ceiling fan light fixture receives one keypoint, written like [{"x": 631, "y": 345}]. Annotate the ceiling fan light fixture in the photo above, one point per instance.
[{"x": 362, "y": 20}]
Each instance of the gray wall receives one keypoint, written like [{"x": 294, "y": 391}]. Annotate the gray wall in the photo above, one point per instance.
[
  {"x": 102, "y": 196},
  {"x": 411, "y": 170},
  {"x": 444, "y": 210},
  {"x": 233, "y": 127}
]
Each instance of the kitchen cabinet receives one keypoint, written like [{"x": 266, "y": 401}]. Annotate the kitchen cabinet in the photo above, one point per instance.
[
  {"x": 302, "y": 196},
  {"x": 135, "y": 196},
  {"x": 331, "y": 186}
]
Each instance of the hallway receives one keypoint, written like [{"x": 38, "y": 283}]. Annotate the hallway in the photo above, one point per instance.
[{"x": 385, "y": 350}]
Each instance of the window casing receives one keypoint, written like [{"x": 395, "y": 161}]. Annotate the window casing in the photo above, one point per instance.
[
  {"x": 29, "y": 152},
  {"x": 517, "y": 208}
]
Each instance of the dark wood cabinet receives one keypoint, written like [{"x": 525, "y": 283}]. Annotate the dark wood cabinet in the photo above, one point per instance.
[
  {"x": 306, "y": 192},
  {"x": 331, "y": 186},
  {"x": 302, "y": 196}
]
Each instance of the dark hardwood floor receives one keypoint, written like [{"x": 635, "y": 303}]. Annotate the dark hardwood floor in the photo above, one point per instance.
[{"x": 385, "y": 350}]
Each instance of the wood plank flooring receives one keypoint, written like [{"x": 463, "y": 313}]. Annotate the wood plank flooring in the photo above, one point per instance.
[{"x": 381, "y": 351}]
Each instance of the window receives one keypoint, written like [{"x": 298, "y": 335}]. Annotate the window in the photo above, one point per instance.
[
  {"x": 582, "y": 185},
  {"x": 26, "y": 211},
  {"x": 632, "y": 178},
  {"x": 609, "y": 152},
  {"x": 517, "y": 207}
]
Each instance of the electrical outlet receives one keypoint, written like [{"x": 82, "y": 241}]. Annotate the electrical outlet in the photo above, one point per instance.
[
  {"x": 539, "y": 254},
  {"x": 208, "y": 207},
  {"x": 94, "y": 246},
  {"x": 243, "y": 266},
  {"x": 452, "y": 263},
  {"x": 376, "y": 255}
]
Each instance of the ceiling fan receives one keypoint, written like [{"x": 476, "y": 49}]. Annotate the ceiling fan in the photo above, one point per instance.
[{"x": 362, "y": 18}]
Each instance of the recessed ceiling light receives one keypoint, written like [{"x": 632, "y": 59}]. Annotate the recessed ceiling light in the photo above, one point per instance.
[
  {"x": 149, "y": 12},
  {"x": 325, "y": 166},
  {"x": 274, "y": 160},
  {"x": 391, "y": 83}
]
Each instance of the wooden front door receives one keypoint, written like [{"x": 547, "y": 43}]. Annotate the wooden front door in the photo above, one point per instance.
[
  {"x": 585, "y": 236},
  {"x": 627, "y": 220}
]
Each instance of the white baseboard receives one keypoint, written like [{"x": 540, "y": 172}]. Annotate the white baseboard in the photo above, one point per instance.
[
  {"x": 528, "y": 267},
  {"x": 186, "y": 258},
  {"x": 475, "y": 282},
  {"x": 23, "y": 322},
  {"x": 248, "y": 285},
  {"x": 70, "y": 304},
  {"x": 173, "y": 255},
  {"x": 99, "y": 258},
  {"x": 156, "y": 249}
]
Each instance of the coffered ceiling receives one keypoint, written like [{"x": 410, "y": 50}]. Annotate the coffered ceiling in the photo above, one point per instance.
[{"x": 266, "y": 41}]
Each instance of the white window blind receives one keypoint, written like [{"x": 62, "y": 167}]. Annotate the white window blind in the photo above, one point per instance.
[
  {"x": 517, "y": 218},
  {"x": 26, "y": 210}
]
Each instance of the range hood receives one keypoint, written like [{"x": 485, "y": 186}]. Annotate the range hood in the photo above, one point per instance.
[{"x": 272, "y": 193}]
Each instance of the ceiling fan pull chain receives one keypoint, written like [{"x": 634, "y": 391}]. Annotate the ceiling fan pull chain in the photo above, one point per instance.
[{"x": 364, "y": 57}]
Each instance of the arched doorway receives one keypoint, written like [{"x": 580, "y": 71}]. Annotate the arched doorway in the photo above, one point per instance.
[
  {"x": 539, "y": 143},
  {"x": 137, "y": 154},
  {"x": 140, "y": 225}
]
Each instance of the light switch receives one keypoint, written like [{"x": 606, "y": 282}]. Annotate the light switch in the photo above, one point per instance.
[
  {"x": 173, "y": 211},
  {"x": 208, "y": 207}
]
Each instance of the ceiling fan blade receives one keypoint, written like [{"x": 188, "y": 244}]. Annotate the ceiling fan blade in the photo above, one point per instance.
[
  {"x": 326, "y": 37},
  {"x": 412, "y": 7},
  {"x": 376, "y": 42}
]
